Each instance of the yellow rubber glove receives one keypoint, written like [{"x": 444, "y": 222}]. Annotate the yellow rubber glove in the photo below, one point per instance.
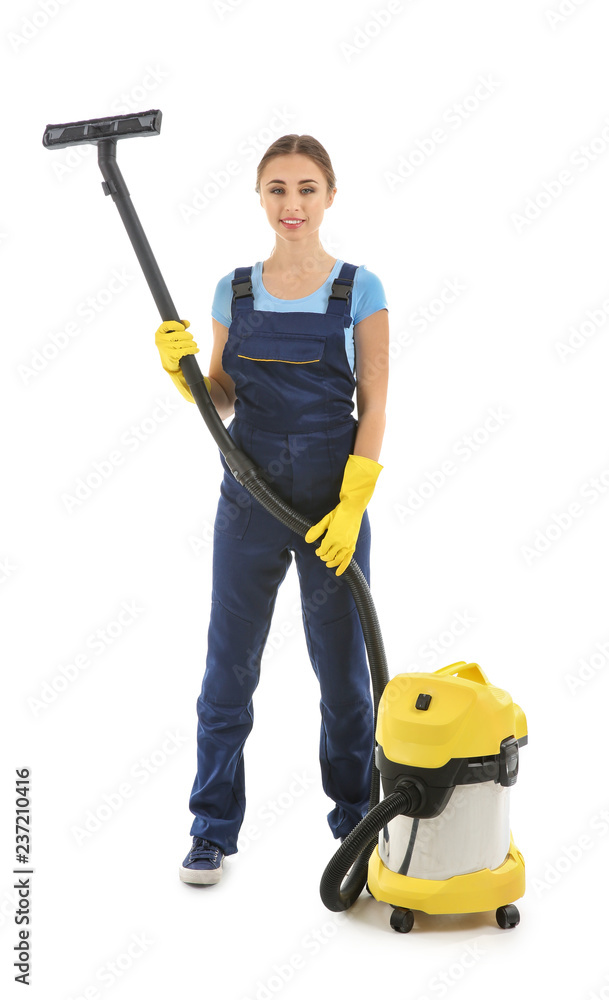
[
  {"x": 174, "y": 343},
  {"x": 342, "y": 524}
]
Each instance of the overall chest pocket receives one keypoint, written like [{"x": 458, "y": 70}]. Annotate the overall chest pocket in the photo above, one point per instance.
[{"x": 290, "y": 348}]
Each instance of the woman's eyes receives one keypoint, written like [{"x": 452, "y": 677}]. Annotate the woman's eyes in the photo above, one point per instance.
[{"x": 274, "y": 190}]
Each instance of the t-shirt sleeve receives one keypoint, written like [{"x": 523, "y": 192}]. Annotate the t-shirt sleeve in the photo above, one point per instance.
[
  {"x": 221, "y": 305},
  {"x": 370, "y": 294}
]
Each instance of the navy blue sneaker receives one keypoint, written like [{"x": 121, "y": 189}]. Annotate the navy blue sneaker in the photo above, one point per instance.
[{"x": 203, "y": 863}]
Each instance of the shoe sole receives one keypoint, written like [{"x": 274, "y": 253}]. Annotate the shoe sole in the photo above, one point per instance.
[{"x": 200, "y": 876}]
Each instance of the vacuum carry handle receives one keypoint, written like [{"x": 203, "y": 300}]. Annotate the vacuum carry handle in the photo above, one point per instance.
[{"x": 469, "y": 672}]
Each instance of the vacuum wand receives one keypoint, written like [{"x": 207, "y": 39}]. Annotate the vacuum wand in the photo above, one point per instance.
[{"x": 104, "y": 133}]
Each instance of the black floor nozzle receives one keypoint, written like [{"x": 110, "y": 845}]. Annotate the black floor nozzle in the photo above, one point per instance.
[{"x": 94, "y": 129}]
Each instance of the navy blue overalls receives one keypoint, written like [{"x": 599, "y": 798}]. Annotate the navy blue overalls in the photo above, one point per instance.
[{"x": 293, "y": 417}]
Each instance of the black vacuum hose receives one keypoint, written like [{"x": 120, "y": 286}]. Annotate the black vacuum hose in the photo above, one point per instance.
[{"x": 358, "y": 846}]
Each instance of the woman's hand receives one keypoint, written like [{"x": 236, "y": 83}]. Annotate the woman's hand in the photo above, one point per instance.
[
  {"x": 174, "y": 342},
  {"x": 342, "y": 524}
]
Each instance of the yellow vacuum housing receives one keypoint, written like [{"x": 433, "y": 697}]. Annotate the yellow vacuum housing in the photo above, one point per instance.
[{"x": 456, "y": 737}]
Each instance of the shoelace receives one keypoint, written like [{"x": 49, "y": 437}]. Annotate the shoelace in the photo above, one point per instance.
[{"x": 205, "y": 851}]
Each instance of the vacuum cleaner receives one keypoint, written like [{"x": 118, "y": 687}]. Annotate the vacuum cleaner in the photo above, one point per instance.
[
  {"x": 447, "y": 749},
  {"x": 446, "y": 743}
]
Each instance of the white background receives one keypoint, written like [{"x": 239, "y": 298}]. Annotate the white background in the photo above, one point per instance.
[{"x": 485, "y": 544}]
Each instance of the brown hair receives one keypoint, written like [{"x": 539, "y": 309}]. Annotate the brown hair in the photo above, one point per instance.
[{"x": 304, "y": 144}]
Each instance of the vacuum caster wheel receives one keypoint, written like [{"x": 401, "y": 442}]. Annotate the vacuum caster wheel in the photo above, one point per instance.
[
  {"x": 508, "y": 916},
  {"x": 402, "y": 920}
]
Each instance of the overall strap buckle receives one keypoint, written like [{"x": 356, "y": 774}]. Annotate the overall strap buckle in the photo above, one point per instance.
[
  {"x": 242, "y": 289},
  {"x": 339, "y": 299},
  {"x": 341, "y": 289}
]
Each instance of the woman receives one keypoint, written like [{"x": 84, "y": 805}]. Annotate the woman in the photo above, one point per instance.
[{"x": 287, "y": 334}]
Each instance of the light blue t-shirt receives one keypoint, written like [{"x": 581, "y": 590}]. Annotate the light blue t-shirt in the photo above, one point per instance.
[{"x": 367, "y": 296}]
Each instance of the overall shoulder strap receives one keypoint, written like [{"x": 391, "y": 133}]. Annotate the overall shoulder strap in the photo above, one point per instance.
[
  {"x": 340, "y": 296},
  {"x": 243, "y": 296}
]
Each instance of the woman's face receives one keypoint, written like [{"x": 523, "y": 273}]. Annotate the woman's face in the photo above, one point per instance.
[{"x": 294, "y": 187}]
